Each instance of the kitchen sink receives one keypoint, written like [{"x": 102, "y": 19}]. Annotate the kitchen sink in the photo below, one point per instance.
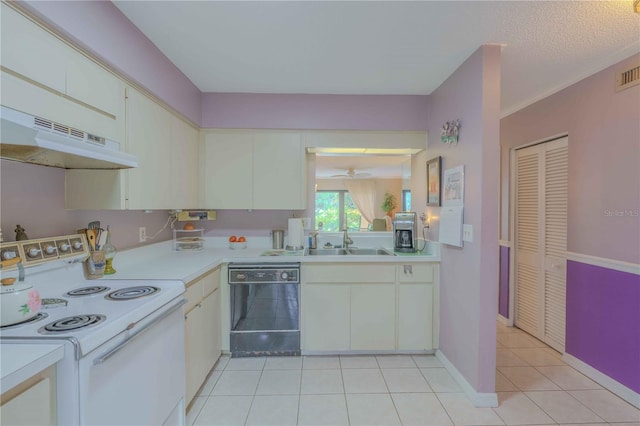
[
  {"x": 369, "y": 252},
  {"x": 351, "y": 251},
  {"x": 327, "y": 252}
]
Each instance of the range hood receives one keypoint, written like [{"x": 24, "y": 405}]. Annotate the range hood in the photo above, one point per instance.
[{"x": 36, "y": 140}]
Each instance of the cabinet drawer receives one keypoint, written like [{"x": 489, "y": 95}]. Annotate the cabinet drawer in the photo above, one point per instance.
[
  {"x": 357, "y": 273},
  {"x": 193, "y": 294},
  {"x": 412, "y": 273}
]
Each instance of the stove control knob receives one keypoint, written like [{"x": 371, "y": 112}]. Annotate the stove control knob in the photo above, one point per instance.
[
  {"x": 33, "y": 252},
  {"x": 284, "y": 276},
  {"x": 77, "y": 245},
  {"x": 64, "y": 247},
  {"x": 8, "y": 254},
  {"x": 50, "y": 249}
]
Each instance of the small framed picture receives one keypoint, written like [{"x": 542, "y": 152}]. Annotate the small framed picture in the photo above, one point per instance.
[{"x": 434, "y": 168}]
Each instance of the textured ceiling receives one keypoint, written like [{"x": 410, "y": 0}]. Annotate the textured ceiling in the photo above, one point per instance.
[{"x": 385, "y": 47}]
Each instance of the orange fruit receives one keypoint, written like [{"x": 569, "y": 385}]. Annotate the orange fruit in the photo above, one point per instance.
[
  {"x": 189, "y": 226},
  {"x": 242, "y": 239},
  {"x": 232, "y": 239}
]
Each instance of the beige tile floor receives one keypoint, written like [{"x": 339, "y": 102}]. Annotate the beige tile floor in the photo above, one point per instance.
[{"x": 534, "y": 386}]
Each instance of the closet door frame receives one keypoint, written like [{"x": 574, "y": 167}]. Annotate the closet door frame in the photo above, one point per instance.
[{"x": 512, "y": 217}]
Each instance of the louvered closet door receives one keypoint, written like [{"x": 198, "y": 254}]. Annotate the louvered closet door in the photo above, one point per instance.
[
  {"x": 541, "y": 240},
  {"x": 528, "y": 258},
  {"x": 556, "y": 178}
]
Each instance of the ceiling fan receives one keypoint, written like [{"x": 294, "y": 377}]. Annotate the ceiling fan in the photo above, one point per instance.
[{"x": 351, "y": 173}]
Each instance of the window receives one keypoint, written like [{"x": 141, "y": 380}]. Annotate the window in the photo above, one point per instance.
[
  {"x": 335, "y": 209},
  {"x": 406, "y": 200}
]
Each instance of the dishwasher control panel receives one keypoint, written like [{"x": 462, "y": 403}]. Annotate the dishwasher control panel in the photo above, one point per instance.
[{"x": 275, "y": 273}]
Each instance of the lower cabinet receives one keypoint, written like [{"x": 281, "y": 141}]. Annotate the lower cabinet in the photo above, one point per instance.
[
  {"x": 325, "y": 312},
  {"x": 202, "y": 330},
  {"x": 365, "y": 307},
  {"x": 373, "y": 314},
  {"x": 32, "y": 402}
]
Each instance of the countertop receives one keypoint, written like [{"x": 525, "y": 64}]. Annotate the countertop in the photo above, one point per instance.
[
  {"x": 21, "y": 361},
  {"x": 161, "y": 261}
]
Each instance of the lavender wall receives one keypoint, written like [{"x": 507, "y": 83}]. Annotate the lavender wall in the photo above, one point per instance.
[
  {"x": 33, "y": 196},
  {"x": 469, "y": 295},
  {"x": 320, "y": 112},
  {"x": 101, "y": 28},
  {"x": 603, "y": 315},
  {"x": 604, "y": 198},
  {"x": 503, "y": 283},
  {"x": 604, "y": 154}
]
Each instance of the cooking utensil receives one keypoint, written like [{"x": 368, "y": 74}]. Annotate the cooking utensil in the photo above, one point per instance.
[
  {"x": 94, "y": 225},
  {"x": 91, "y": 238},
  {"x": 102, "y": 238},
  {"x": 19, "y": 302}
]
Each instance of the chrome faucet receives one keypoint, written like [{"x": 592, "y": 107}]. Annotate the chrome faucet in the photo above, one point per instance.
[
  {"x": 314, "y": 240},
  {"x": 346, "y": 241}
]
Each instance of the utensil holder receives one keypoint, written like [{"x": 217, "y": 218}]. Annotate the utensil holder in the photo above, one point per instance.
[{"x": 94, "y": 265}]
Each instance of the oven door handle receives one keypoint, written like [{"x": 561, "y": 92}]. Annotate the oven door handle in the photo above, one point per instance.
[{"x": 117, "y": 349}]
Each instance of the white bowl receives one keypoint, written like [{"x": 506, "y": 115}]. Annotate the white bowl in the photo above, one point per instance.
[{"x": 238, "y": 246}]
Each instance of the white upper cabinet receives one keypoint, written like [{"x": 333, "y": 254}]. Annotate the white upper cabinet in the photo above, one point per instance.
[
  {"x": 167, "y": 174},
  {"x": 227, "y": 171},
  {"x": 46, "y": 77},
  {"x": 278, "y": 172},
  {"x": 184, "y": 164},
  {"x": 149, "y": 139},
  {"x": 91, "y": 84},
  {"x": 253, "y": 170},
  {"x": 31, "y": 51}
]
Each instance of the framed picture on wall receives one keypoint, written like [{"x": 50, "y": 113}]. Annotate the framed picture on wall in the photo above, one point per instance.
[{"x": 434, "y": 173}]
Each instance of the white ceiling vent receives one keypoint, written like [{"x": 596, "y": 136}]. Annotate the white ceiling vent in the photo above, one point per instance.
[{"x": 628, "y": 78}]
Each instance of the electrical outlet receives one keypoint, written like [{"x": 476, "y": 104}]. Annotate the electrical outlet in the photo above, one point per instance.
[
  {"x": 306, "y": 223},
  {"x": 467, "y": 233},
  {"x": 143, "y": 234}
]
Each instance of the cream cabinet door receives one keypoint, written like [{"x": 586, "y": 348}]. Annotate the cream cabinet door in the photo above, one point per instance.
[
  {"x": 215, "y": 329},
  {"x": 148, "y": 138},
  {"x": 184, "y": 165},
  {"x": 89, "y": 83},
  {"x": 31, "y": 407},
  {"x": 325, "y": 317},
  {"x": 373, "y": 316},
  {"x": 415, "y": 316},
  {"x": 31, "y": 51},
  {"x": 194, "y": 350},
  {"x": 227, "y": 171},
  {"x": 279, "y": 180}
]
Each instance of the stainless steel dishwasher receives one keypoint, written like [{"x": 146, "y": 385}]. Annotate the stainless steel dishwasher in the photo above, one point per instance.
[{"x": 265, "y": 309}]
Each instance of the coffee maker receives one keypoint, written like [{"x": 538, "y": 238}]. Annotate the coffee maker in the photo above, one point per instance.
[{"x": 405, "y": 232}]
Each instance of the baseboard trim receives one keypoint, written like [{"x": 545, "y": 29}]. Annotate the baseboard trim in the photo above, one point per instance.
[
  {"x": 478, "y": 399},
  {"x": 602, "y": 379},
  {"x": 504, "y": 321}
]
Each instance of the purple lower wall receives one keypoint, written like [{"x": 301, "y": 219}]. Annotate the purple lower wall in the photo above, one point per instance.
[
  {"x": 503, "y": 283},
  {"x": 603, "y": 321}
]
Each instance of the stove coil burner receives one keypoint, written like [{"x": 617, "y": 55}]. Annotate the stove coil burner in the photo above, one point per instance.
[
  {"x": 75, "y": 322},
  {"x": 132, "y": 292},
  {"x": 39, "y": 316},
  {"x": 87, "y": 291}
]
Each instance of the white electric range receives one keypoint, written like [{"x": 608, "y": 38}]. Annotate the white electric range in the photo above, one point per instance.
[{"x": 123, "y": 342}]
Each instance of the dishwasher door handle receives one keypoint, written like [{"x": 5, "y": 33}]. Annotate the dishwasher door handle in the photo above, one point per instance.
[{"x": 121, "y": 346}]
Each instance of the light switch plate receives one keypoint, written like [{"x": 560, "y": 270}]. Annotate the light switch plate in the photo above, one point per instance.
[
  {"x": 467, "y": 233},
  {"x": 306, "y": 223}
]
